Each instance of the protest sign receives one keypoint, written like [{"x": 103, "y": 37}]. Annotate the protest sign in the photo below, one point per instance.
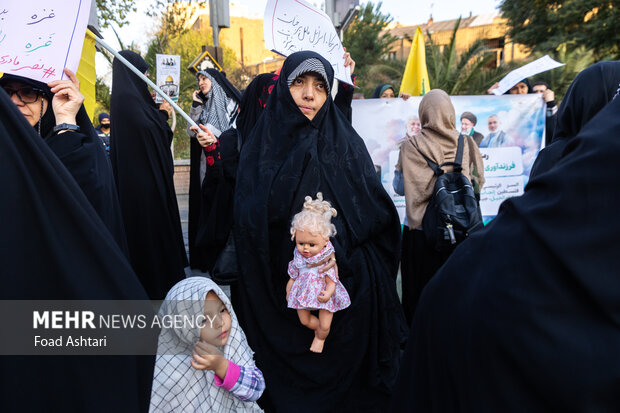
[
  {"x": 537, "y": 66},
  {"x": 382, "y": 123},
  {"x": 293, "y": 25},
  {"x": 39, "y": 38},
  {"x": 168, "y": 75}
]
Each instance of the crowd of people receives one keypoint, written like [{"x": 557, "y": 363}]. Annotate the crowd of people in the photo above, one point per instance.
[{"x": 521, "y": 315}]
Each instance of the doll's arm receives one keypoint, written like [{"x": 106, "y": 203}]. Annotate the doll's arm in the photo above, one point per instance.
[
  {"x": 289, "y": 285},
  {"x": 330, "y": 288}
]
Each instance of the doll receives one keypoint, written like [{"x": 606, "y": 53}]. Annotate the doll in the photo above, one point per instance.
[{"x": 307, "y": 289}]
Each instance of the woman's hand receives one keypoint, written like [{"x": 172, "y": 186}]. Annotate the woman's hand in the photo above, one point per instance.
[
  {"x": 326, "y": 264},
  {"x": 196, "y": 98},
  {"x": 495, "y": 86},
  {"x": 405, "y": 96},
  {"x": 348, "y": 61},
  {"x": 205, "y": 137},
  {"x": 67, "y": 98}
]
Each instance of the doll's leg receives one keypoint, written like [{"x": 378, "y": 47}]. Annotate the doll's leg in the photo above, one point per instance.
[
  {"x": 321, "y": 333},
  {"x": 307, "y": 319}
]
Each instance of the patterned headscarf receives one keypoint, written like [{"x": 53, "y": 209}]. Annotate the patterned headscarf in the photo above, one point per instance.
[
  {"x": 177, "y": 386},
  {"x": 309, "y": 65},
  {"x": 215, "y": 109}
]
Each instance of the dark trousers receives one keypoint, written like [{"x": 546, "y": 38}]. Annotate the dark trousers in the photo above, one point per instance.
[{"x": 419, "y": 262}]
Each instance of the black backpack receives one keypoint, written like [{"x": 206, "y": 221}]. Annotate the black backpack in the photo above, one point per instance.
[{"x": 453, "y": 211}]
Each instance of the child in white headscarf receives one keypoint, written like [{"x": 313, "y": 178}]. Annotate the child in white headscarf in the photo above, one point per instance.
[{"x": 204, "y": 369}]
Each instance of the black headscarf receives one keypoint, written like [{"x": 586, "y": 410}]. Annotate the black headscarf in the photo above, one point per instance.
[
  {"x": 53, "y": 246},
  {"x": 220, "y": 77},
  {"x": 143, "y": 168},
  {"x": 376, "y": 94},
  {"x": 84, "y": 157},
  {"x": 525, "y": 315},
  {"x": 285, "y": 158},
  {"x": 254, "y": 100},
  {"x": 591, "y": 90}
]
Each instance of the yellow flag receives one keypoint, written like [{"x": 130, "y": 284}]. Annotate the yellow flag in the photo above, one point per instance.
[
  {"x": 86, "y": 73},
  {"x": 415, "y": 79}
]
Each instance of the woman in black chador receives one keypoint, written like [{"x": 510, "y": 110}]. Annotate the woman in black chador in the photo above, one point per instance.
[
  {"x": 215, "y": 105},
  {"x": 60, "y": 119},
  {"x": 302, "y": 144},
  {"x": 524, "y": 316},
  {"x": 143, "y": 168},
  {"x": 54, "y": 246}
]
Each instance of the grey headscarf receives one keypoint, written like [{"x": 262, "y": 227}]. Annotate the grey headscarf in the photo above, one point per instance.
[{"x": 309, "y": 65}]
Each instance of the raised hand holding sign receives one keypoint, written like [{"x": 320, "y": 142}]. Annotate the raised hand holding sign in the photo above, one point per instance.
[{"x": 39, "y": 38}]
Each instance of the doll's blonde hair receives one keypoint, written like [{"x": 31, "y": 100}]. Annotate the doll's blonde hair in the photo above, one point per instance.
[{"x": 315, "y": 218}]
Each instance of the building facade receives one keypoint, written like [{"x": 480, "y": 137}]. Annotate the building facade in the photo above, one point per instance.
[{"x": 490, "y": 27}]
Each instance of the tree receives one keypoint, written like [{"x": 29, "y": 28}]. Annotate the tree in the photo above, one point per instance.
[
  {"x": 175, "y": 38},
  {"x": 366, "y": 38},
  {"x": 114, "y": 11},
  {"x": 543, "y": 25},
  {"x": 368, "y": 42},
  {"x": 464, "y": 74},
  {"x": 102, "y": 98}
]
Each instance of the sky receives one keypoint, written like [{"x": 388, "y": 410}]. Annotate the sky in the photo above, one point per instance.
[
  {"x": 406, "y": 12},
  {"x": 410, "y": 12}
]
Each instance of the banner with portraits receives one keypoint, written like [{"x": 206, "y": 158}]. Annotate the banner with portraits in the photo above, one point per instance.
[{"x": 509, "y": 130}]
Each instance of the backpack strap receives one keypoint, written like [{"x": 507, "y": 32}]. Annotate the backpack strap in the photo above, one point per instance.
[
  {"x": 457, "y": 164},
  {"x": 436, "y": 168}
]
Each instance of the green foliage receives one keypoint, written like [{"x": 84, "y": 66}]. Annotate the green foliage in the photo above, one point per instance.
[
  {"x": 173, "y": 39},
  {"x": 575, "y": 61},
  {"x": 466, "y": 74},
  {"x": 365, "y": 38},
  {"x": 102, "y": 98},
  {"x": 384, "y": 71},
  {"x": 369, "y": 43},
  {"x": 543, "y": 25},
  {"x": 114, "y": 11}
]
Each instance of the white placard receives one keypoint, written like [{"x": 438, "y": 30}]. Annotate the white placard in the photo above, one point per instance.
[
  {"x": 502, "y": 161},
  {"x": 39, "y": 38},
  {"x": 537, "y": 66},
  {"x": 293, "y": 25},
  {"x": 168, "y": 75},
  {"x": 497, "y": 190}
]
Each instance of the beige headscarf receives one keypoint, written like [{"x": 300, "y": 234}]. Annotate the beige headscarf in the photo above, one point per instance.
[{"x": 438, "y": 141}]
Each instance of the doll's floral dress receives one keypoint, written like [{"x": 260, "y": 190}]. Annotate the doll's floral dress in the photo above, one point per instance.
[{"x": 309, "y": 283}]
